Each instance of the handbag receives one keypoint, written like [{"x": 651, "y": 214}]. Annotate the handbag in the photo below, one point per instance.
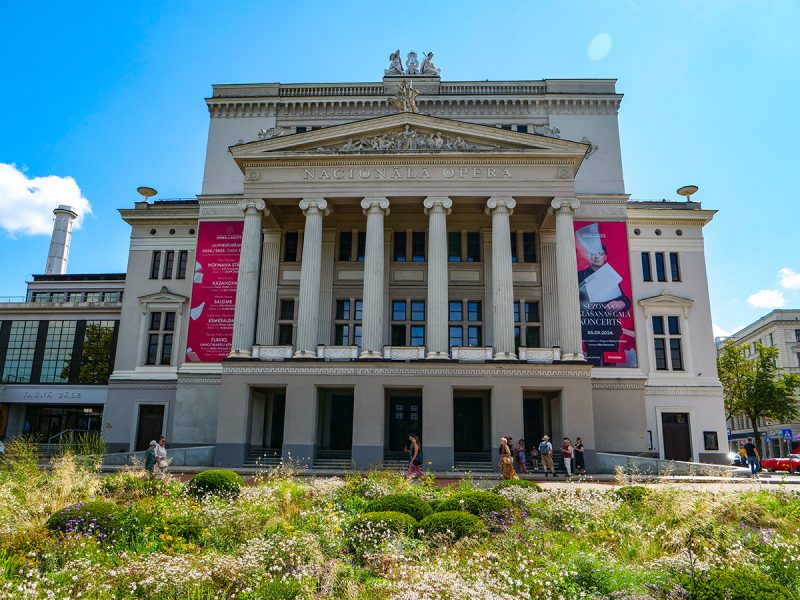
[{"x": 507, "y": 460}]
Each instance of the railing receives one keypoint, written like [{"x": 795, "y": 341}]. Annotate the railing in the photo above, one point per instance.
[
  {"x": 607, "y": 462},
  {"x": 332, "y": 90},
  {"x": 190, "y": 456},
  {"x": 13, "y": 299},
  {"x": 492, "y": 89},
  {"x": 61, "y": 433}
]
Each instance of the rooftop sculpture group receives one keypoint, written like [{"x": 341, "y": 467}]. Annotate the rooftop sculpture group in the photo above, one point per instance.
[{"x": 427, "y": 69}]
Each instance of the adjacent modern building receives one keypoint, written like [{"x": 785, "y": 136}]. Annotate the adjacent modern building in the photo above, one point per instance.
[
  {"x": 455, "y": 259},
  {"x": 780, "y": 329}
]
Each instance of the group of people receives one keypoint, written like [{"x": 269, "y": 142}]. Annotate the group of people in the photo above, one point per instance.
[
  {"x": 155, "y": 458},
  {"x": 515, "y": 457}
]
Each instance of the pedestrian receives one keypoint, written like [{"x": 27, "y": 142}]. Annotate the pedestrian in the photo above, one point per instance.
[
  {"x": 566, "y": 456},
  {"x": 510, "y": 442},
  {"x": 546, "y": 452},
  {"x": 161, "y": 457},
  {"x": 150, "y": 459},
  {"x": 414, "y": 457},
  {"x": 506, "y": 463},
  {"x": 523, "y": 467},
  {"x": 580, "y": 463},
  {"x": 742, "y": 455},
  {"x": 753, "y": 457},
  {"x": 534, "y": 458}
]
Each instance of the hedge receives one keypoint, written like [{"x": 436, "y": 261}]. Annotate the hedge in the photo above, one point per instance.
[
  {"x": 216, "y": 482},
  {"x": 453, "y": 522},
  {"x": 478, "y": 503},
  {"x": 403, "y": 503}
]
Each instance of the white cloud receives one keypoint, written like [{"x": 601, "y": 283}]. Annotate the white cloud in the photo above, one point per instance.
[
  {"x": 719, "y": 331},
  {"x": 600, "y": 46},
  {"x": 26, "y": 204},
  {"x": 766, "y": 299},
  {"x": 789, "y": 279}
]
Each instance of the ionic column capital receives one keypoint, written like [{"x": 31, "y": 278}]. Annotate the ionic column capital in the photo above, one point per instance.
[
  {"x": 435, "y": 203},
  {"x": 253, "y": 206},
  {"x": 501, "y": 203},
  {"x": 375, "y": 204},
  {"x": 314, "y": 205},
  {"x": 565, "y": 205}
]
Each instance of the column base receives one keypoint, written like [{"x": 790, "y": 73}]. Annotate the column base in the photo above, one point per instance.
[
  {"x": 305, "y": 354},
  {"x": 371, "y": 354},
  {"x": 437, "y": 356},
  {"x": 240, "y": 354},
  {"x": 574, "y": 357},
  {"x": 505, "y": 356}
]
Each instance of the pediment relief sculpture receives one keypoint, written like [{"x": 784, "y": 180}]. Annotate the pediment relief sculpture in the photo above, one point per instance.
[{"x": 408, "y": 140}]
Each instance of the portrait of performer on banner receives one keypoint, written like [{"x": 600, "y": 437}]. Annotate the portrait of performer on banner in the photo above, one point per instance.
[{"x": 604, "y": 289}]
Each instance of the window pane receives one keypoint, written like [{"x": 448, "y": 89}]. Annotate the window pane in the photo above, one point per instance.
[
  {"x": 399, "y": 310},
  {"x": 417, "y": 310},
  {"x": 183, "y": 258},
  {"x": 398, "y": 335},
  {"x": 285, "y": 334},
  {"x": 529, "y": 246},
  {"x": 357, "y": 336},
  {"x": 57, "y": 351},
  {"x": 362, "y": 245},
  {"x": 359, "y": 310},
  {"x": 342, "y": 335},
  {"x": 676, "y": 355},
  {"x": 454, "y": 246},
  {"x": 169, "y": 321},
  {"x": 532, "y": 312},
  {"x": 522, "y": 128},
  {"x": 290, "y": 246},
  {"x": 532, "y": 337},
  {"x": 660, "y": 273},
  {"x": 647, "y": 275},
  {"x": 21, "y": 348},
  {"x": 166, "y": 349},
  {"x": 342, "y": 310},
  {"x": 93, "y": 296},
  {"x": 155, "y": 264},
  {"x": 456, "y": 311},
  {"x": 516, "y": 312},
  {"x": 514, "y": 247},
  {"x": 155, "y": 321},
  {"x": 400, "y": 246},
  {"x": 474, "y": 312},
  {"x": 474, "y": 335},
  {"x": 517, "y": 341},
  {"x": 98, "y": 346},
  {"x": 418, "y": 246},
  {"x": 661, "y": 355},
  {"x": 417, "y": 335},
  {"x": 169, "y": 262},
  {"x": 473, "y": 246},
  {"x": 287, "y": 310},
  {"x": 152, "y": 349},
  {"x": 345, "y": 245},
  {"x": 658, "y": 325},
  {"x": 674, "y": 266},
  {"x": 456, "y": 336},
  {"x": 674, "y": 327}
]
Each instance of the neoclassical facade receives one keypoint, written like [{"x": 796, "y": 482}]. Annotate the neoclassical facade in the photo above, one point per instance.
[{"x": 462, "y": 262}]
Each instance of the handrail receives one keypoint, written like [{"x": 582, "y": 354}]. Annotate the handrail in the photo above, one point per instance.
[{"x": 59, "y": 434}]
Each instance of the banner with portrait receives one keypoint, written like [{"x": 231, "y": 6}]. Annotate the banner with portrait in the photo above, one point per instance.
[{"x": 604, "y": 287}]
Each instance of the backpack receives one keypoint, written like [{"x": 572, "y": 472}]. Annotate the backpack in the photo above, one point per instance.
[{"x": 544, "y": 449}]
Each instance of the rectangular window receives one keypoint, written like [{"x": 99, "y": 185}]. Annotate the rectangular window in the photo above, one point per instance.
[
  {"x": 398, "y": 335},
  {"x": 647, "y": 274},
  {"x": 57, "y": 351},
  {"x": 456, "y": 311},
  {"x": 403, "y": 332},
  {"x": 93, "y": 296},
  {"x": 362, "y": 245},
  {"x": 166, "y": 349},
  {"x": 516, "y": 312},
  {"x": 474, "y": 312},
  {"x": 287, "y": 310},
  {"x": 661, "y": 274},
  {"x": 169, "y": 263},
  {"x": 475, "y": 336},
  {"x": 771, "y": 340},
  {"x": 345, "y": 245},
  {"x": 456, "y": 336},
  {"x": 513, "y": 241},
  {"x": 359, "y": 309},
  {"x": 347, "y": 328},
  {"x": 532, "y": 311},
  {"x": 529, "y": 246},
  {"x": 290, "y": 246},
  {"x": 418, "y": 246},
  {"x": 399, "y": 310},
  {"x": 674, "y": 266},
  {"x": 152, "y": 348},
  {"x": 357, "y": 333},
  {"x": 676, "y": 356},
  {"x": 341, "y": 335},
  {"x": 517, "y": 341},
  {"x": 98, "y": 350},
  {"x": 505, "y": 127},
  {"x": 673, "y": 326},
  {"x": 155, "y": 264},
  {"x": 285, "y": 334},
  {"x": 532, "y": 337},
  {"x": 183, "y": 259},
  {"x": 417, "y": 335},
  {"x": 417, "y": 310},
  {"x": 661, "y": 354},
  {"x": 454, "y": 246},
  {"x": 159, "y": 338},
  {"x": 473, "y": 246},
  {"x": 20, "y": 351},
  {"x": 658, "y": 325},
  {"x": 797, "y": 335},
  {"x": 399, "y": 246},
  {"x": 522, "y": 128},
  {"x": 667, "y": 343},
  {"x": 342, "y": 310}
]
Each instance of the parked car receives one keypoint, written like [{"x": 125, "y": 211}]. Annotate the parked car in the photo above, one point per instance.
[
  {"x": 791, "y": 464},
  {"x": 736, "y": 460}
]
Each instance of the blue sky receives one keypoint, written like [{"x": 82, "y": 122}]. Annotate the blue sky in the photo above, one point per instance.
[{"x": 111, "y": 95}]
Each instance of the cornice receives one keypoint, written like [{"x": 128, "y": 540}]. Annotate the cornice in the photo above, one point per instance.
[
  {"x": 459, "y": 371},
  {"x": 713, "y": 392},
  {"x": 141, "y": 386},
  {"x": 317, "y": 160}
]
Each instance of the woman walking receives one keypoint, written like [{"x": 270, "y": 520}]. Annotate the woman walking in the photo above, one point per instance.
[
  {"x": 523, "y": 467},
  {"x": 566, "y": 455},
  {"x": 506, "y": 462},
  {"x": 414, "y": 457},
  {"x": 580, "y": 465},
  {"x": 150, "y": 459}
]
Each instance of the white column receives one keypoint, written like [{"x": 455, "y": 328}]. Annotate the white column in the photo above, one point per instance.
[
  {"x": 500, "y": 208},
  {"x": 569, "y": 314},
  {"x": 372, "y": 339},
  {"x": 310, "y": 271},
  {"x": 244, "y": 316},
  {"x": 268, "y": 287},
  {"x": 437, "y": 209},
  {"x": 326, "y": 286},
  {"x": 549, "y": 290}
]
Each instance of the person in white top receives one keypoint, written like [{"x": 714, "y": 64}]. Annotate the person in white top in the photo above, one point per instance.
[{"x": 161, "y": 457}]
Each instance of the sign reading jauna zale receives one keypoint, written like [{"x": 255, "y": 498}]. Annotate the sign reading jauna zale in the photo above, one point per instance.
[{"x": 214, "y": 291}]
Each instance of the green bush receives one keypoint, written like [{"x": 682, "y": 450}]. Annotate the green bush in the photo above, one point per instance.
[
  {"x": 96, "y": 517},
  {"x": 216, "y": 482},
  {"x": 482, "y": 504},
  {"x": 386, "y": 521},
  {"x": 632, "y": 494},
  {"x": 454, "y": 522},
  {"x": 403, "y": 503},
  {"x": 734, "y": 584},
  {"x": 523, "y": 483}
]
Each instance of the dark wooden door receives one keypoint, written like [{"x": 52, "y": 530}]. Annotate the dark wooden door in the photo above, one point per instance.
[
  {"x": 677, "y": 436},
  {"x": 341, "y": 432},
  {"x": 533, "y": 421},
  {"x": 405, "y": 417},
  {"x": 278, "y": 415},
  {"x": 468, "y": 424},
  {"x": 151, "y": 422}
]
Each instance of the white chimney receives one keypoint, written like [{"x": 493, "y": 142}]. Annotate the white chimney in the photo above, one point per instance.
[{"x": 59, "y": 242}]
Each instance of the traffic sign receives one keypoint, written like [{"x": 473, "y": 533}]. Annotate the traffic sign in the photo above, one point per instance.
[
  {"x": 786, "y": 434},
  {"x": 730, "y": 435}
]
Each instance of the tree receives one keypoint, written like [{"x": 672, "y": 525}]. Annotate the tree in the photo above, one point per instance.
[{"x": 756, "y": 387}]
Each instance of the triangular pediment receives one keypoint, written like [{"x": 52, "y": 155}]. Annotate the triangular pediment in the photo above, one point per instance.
[
  {"x": 164, "y": 295},
  {"x": 409, "y": 134},
  {"x": 665, "y": 300}
]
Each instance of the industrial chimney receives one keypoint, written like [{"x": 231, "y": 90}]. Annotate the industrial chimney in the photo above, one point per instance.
[{"x": 59, "y": 242}]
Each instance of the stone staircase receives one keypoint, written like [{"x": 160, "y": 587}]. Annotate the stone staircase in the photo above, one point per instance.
[
  {"x": 475, "y": 462},
  {"x": 333, "y": 460},
  {"x": 396, "y": 461},
  {"x": 264, "y": 458}
]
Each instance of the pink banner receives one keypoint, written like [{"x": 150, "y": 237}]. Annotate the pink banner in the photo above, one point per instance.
[
  {"x": 604, "y": 281},
  {"x": 214, "y": 291}
]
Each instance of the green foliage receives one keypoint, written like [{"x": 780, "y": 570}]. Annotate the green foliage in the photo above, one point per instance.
[
  {"x": 482, "y": 504},
  {"x": 97, "y": 518},
  {"x": 216, "y": 482},
  {"x": 96, "y": 357},
  {"x": 21, "y": 458},
  {"x": 523, "y": 483},
  {"x": 734, "y": 584},
  {"x": 404, "y": 503},
  {"x": 632, "y": 494},
  {"x": 83, "y": 443},
  {"x": 396, "y": 522},
  {"x": 452, "y": 522}
]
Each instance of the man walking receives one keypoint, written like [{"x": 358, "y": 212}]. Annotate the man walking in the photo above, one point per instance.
[
  {"x": 752, "y": 456},
  {"x": 546, "y": 452}
]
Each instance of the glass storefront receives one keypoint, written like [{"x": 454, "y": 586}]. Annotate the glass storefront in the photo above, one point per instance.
[{"x": 48, "y": 421}]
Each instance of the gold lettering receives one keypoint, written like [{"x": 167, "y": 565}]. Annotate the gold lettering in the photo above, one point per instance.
[{"x": 309, "y": 173}]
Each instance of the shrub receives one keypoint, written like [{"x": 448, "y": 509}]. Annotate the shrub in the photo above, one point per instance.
[
  {"x": 394, "y": 521},
  {"x": 216, "y": 482},
  {"x": 734, "y": 584},
  {"x": 523, "y": 483},
  {"x": 632, "y": 494},
  {"x": 96, "y": 517},
  {"x": 453, "y": 522},
  {"x": 478, "y": 503},
  {"x": 403, "y": 503}
]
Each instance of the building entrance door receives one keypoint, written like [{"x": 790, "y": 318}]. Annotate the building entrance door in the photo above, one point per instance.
[
  {"x": 150, "y": 425},
  {"x": 336, "y": 420},
  {"x": 469, "y": 424},
  {"x": 404, "y": 414},
  {"x": 274, "y": 414},
  {"x": 677, "y": 436},
  {"x": 533, "y": 421}
]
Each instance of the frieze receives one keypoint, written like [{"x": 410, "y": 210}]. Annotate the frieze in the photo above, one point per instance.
[
  {"x": 141, "y": 386},
  {"x": 595, "y": 210},
  {"x": 388, "y": 371},
  {"x": 200, "y": 380},
  {"x": 712, "y": 392},
  {"x": 596, "y": 385},
  {"x": 377, "y": 173},
  {"x": 408, "y": 140},
  {"x": 220, "y": 211}
]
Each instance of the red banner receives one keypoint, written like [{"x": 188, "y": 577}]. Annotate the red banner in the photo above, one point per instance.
[
  {"x": 604, "y": 281},
  {"x": 214, "y": 291}
]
